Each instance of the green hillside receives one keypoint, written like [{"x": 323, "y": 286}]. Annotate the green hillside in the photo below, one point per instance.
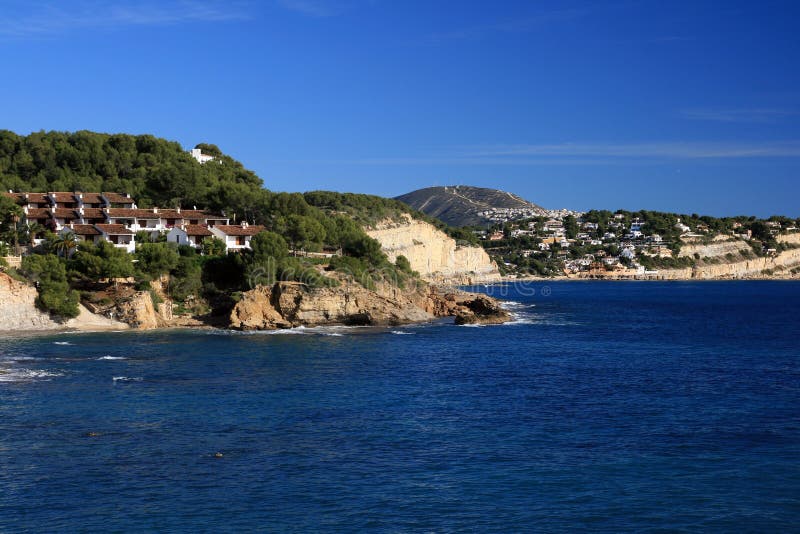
[{"x": 157, "y": 172}]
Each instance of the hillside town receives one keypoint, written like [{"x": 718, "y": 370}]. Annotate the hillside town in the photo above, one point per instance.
[
  {"x": 601, "y": 243},
  {"x": 505, "y": 215}
]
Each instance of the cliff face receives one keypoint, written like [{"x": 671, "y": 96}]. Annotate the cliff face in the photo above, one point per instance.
[
  {"x": 779, "y": 265},
  {"x": 789, "y": 238},
  {"x": 291, "y": 304},
  {"x": 714, "y": 249},
  {"x": 18, "y": 312},
  {"x": 17, "y": 308},
  {"x": 434, "y": 255},
  {"x": 139, "y": 312}
]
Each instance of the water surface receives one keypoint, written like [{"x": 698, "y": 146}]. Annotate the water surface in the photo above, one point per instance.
[{"x": 603, "y": 407}]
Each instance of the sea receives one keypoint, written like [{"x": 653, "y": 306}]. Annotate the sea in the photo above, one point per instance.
[{"x": 602, "y": 407}]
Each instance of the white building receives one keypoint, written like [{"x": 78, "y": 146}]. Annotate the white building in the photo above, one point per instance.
[
  {"x": 118, "y": 235},
  {"x": 199, "y": 156},
  {"x": 236, "y": 237},
  {"x": 115, "y": 234},
  {"x": 190, "y": 234}
]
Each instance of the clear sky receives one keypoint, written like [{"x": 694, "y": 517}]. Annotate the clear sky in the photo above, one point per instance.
[{"x": 680, "y": 106}]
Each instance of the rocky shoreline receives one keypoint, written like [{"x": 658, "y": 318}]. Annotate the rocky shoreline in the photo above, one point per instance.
[
  {"x": 291, "y": 304},
  {"x": 282, "y": 305}
]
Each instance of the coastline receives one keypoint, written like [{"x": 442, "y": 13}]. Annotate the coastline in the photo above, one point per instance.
[{"x": 648, "y": 278}]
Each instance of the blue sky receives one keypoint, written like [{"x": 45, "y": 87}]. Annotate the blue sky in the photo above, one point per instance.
[{"x": 678, "y": 106}]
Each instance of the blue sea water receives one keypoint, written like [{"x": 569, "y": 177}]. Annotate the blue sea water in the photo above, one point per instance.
[{"x": 604, "y": 407}]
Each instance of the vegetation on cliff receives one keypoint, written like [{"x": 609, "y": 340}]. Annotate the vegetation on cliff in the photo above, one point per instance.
[{"x": 157, "y": 172}]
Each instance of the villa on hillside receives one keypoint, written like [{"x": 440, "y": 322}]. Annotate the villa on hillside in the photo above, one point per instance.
[
  {"x": 236, "y": 237},
  {"x": 190, "y": 234},
  {"x": 201, "y": 158}
]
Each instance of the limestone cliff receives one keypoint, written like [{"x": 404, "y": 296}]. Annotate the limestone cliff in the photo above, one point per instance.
[
  {"x": 769, "y": 267},
  {"x": 17, "y": 308},
  {"x": 432, "y": 253},
  {"x": 718, "y": 247},
  {"x": 18, "y": 312},
  {"x": 291, "y": 304},
  {"x": 793, "y": 239}
]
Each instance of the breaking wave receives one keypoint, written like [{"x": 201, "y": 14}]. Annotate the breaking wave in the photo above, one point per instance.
[{"x": 26, "y": 375}]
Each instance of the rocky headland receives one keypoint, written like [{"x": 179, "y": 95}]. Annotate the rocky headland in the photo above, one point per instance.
[{"x": 292, "y": 304}]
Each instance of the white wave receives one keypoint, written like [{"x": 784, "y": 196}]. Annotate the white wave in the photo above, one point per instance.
[
  {"x": 127, "y": 379},
  {"x": 62, "y": 343},
  {"x": 25, "y": 375},
  {"x": 112, "y": 358},
  {"x": 332, "y": 334},
  {"x": 511, "y": 305},
  {"x": 300, "y": 330},
  {"x": 401, "y": 333}
]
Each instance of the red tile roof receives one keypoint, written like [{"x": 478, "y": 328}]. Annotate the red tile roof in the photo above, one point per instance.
[
  {"x": 133, "y": 213},
  {"x": 116, "y": 198},
  {"x": 239, "y": 230},
  {"x": 34, "y": 198},
  {"x": 92, "y": 198},
  {"x": 65, "y": 213},
  {"x": 94, "y": 213},
  {"x": 197, "y": 229},
  {"x": 113, "y": 229},
  {"x": 64, "y": 197},
  {"x": 38, "y": 213},
  {"x": 83, "y": 229}
]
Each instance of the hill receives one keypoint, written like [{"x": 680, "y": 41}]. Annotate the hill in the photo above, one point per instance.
[
  {"x": 463, "y": 205},
  {"x": 160, "y": 173}
]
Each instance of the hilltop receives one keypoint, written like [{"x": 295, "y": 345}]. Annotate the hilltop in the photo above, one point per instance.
[{"x": 463, "y": 205}]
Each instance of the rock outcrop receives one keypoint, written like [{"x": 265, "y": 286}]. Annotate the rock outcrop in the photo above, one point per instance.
[
  {"x": 292, "y": 304},
  {"x": 18, "y": 310},
  {"x": 139, "y": 312},
  {"x": 433, "y": 254}
]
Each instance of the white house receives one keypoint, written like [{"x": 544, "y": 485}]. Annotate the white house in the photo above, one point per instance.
[
  {"x": 682, "y": 227},
  {"x": 117, "y": 234},
  {"x": 199, "y": 156},
  {"x": 83, "y": 232},
  {"x": 236, "y": 237},
  {"x": 189, "y": 234}
]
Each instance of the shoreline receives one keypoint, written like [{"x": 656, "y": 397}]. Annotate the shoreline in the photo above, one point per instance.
[
  {"x": 89, "y": 323},
  {"x": 645, "y": 278}
]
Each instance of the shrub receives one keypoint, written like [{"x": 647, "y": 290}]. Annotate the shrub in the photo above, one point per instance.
[
  {"x": 156, "y": 258},
  {"x": 50, "y": 275}
]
